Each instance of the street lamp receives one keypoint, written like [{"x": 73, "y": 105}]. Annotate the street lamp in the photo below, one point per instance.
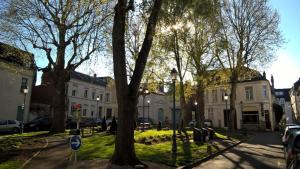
[
  {"x": 144, "y": 92},
  {"x": 98, "y": 98},
  {"x": 148, "y": 101},
  {"x": 174, "y": 146},
  {"x": 226, "y": 99},
  {"x": 25, "y": 91},
  {"x": 196, "y": 119}
]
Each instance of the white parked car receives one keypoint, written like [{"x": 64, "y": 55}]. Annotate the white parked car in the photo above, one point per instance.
[
  {"x": 207, "y": 123},
  {"x": 10, "y": 126}
]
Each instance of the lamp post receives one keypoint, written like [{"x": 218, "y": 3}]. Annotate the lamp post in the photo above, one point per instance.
[
  {"x": 174, "y": 146},
  {"x": 25, "y": 91},
  {"x": 196, "y": 119},
  {"x": 98, "y": 98},
  {"x": 148, "y": 101},
  {"x": 144, "y": 92},
  {"x": 227, "y": 114}
]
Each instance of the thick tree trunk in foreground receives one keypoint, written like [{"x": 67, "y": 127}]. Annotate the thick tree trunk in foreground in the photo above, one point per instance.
[
  {"x": 232, "y": 116},
  {"x": 201, "y": 105},
  {"x": 127, "y": 95}
]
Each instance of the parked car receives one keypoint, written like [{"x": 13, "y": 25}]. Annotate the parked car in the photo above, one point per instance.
[
  {"x": 146, "y": 120},
  {"x": 13, "y": 126},
  {"x": 40, "y": 123},
  {"x": 288, "y": 130},
  {"x": 293, "y": 151},
  {"x": 207, "y": 123}
]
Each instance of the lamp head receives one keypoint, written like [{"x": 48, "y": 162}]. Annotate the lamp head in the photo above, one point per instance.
[
  {"x": 174, "y": 74},
  {"x": 98, "y": 98},
  {"x": 25, "y": 90},
  {"x": 226, "y": 96}
]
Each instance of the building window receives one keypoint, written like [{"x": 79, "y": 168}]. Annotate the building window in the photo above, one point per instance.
[
  {"x": 73, "y": 92},
  {"x": 101, "y": 97},
  {"x": 93, "y": 95},
  {"x": 223, "y": 91},
  {"x": 107, "y": 97},
  {"x": 210, "y": 113},
  {"x": 100, "y": 112},
  {"x": 92, "y": 113},
  {"x": 85, "y": 93},
  {"x": 249, "y": 93},
  {"x": 206, "y": 96},
  {"x": 84, "y": 112},
  {"x": 108, "y": 113},
  {"x": 264, "y": 92},
  {"x": 24, "y": 83},
  {"x": 215, "y": 96},
  {"x": 250, "y": 117}
]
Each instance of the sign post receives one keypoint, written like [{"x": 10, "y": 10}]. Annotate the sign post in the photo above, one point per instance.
[
  {"x": 75, "y": 144},
  {"x": 77, "y": 109}
]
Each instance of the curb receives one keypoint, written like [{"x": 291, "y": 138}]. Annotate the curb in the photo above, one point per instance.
[
  {"x": 34, "y": 155},
  {"x": 197, "y": 162}
]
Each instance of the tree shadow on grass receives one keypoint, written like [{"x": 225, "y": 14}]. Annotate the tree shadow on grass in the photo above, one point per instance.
[{"x": 184, "y": 137}]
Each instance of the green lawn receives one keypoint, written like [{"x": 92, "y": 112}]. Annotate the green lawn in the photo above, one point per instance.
[
  {"x": 13, "y": 164},
  {"x": 101, "y": 146}
]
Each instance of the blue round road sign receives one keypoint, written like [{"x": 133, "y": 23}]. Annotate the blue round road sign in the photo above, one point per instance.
[{"x": 75, "y": 142}]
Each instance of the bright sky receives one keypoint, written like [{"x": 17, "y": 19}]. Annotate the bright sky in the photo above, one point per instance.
[{"x": 286, "y": 69}]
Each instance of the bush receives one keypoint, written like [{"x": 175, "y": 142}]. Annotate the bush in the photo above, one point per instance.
[
  {"x": 103, "y": 124},
  {"x": 113, "y": 127}
]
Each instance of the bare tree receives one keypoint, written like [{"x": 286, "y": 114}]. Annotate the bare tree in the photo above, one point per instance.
[
  {"x": 68, "y": 32},
  {"x": 127, "y": 92},
  {"x": 250, "y": 35}
]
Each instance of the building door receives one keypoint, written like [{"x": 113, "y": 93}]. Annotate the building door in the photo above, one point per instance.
[
  {"x": 108, "y": 113},
  {"x": 226, "y": 117},
  {"x": 267, "y": 119},
  {"x": 20, "y": 113},
  {"x": 160, "y": 115}
]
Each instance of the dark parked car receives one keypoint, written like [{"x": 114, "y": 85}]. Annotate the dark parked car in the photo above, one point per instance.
[
  {"x": 71, "y": 123},
  {"x": 40, "y": 123},
  {"x": 293, "y": 151}
]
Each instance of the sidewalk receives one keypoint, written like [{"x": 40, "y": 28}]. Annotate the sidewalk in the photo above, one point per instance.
[{"x": 54, "y": 156}]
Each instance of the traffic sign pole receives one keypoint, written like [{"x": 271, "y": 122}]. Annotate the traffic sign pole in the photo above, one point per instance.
[{"x": 75, "y": 144}]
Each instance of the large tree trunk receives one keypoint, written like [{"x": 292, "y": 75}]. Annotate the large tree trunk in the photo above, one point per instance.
[
  {"x": 127, "y": 95},
  {"x": 59, "y": 113},
  {"x": 234, "y": 79},
  {"x": 124, "y": 153},
  {"x": 201, "y": 105}
]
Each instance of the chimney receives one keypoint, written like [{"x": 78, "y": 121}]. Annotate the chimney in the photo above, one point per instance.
[{"x": 264, "y": 75}]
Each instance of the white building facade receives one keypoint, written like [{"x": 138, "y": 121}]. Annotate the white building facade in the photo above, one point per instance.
[
  {"x": 253, "y": 104},
  {"x": 283, "y": 99},
  {"x": 295, "y": 100},
  {"x": 17, "y": 72},
  {"x": 84, "y": 90}
]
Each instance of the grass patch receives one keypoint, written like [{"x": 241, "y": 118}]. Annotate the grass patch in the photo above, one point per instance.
[
  {"x": 101, "y": 146},
  {"x": 26, "y": 135},
  {"x": 13, "y": 164}
]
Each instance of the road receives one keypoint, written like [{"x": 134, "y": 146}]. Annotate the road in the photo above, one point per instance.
[
  {"x": 54, "y": 156},
  {"x": 263, "y": 151}
]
